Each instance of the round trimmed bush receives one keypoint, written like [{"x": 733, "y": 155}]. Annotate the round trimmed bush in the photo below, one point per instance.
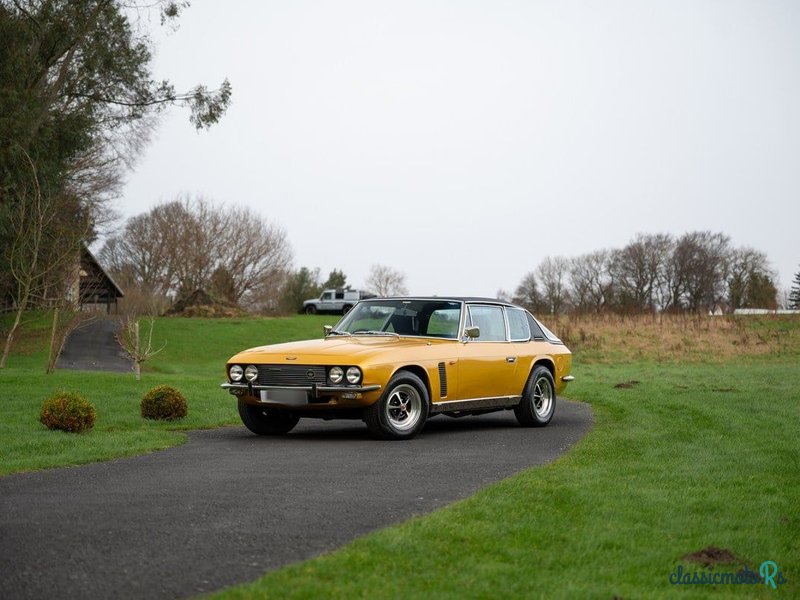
[
  {"x": 67, "y": 411},
  {"x": 164, "y": 403}
]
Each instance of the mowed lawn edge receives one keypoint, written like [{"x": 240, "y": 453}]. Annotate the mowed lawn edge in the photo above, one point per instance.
[{"x": 680, "y": 458}]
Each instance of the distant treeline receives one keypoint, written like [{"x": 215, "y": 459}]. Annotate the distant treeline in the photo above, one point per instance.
[{"x": 698, "y": 271}]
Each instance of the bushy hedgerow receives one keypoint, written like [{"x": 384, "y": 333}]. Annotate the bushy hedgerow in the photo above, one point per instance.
[
  {"x": 164, "y": 403},
  {"x": 67, "y": 411}
]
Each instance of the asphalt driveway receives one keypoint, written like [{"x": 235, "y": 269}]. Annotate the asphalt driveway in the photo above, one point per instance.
[
  {"x": 228, "y": 506},
  {"x": 93, "y": 346}
]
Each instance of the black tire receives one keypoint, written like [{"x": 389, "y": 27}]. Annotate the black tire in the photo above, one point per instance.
[
  {"x": 402, "y": 409},
  {"x": 346, "y": 308},
  {"x": 266, "y": 421},
  {"x": 538, "y": 402},
  {"x": 311, "y": 309}
]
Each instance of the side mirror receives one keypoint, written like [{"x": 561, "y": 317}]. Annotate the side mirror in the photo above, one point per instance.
[
  {"x": 326, "y": 329},
  {"x": 472, "y": 332}
]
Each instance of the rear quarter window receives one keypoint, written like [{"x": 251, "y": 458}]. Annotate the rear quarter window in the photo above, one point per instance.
[
  {"x": 518, "y": 325},
  {"x": 536, "y": 331}
]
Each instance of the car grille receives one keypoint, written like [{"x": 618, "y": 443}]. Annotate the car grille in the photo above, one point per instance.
[{"x": 291, "y": 375}]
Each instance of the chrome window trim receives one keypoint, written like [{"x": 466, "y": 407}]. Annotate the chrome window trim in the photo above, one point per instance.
[
  {"x": 466, "y": 315},
  {"x": 455, "y": 338},
  {"x": 538, "y": 324},
  {"x": 502, "y": 311},
  {"x": 554, "y": 339},
  {"x": 527, "y": 326}
]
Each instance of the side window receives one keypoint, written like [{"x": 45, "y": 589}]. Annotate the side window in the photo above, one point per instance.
[
  {"x": 518, "y": 325},
  {"x": 340, "y": 294},
  {"x": 327, "y": 296},
  {"x": 491, "y": 322}
]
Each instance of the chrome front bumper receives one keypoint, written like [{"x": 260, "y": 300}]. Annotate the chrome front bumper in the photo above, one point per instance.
[{"x": 241, "y": 389}]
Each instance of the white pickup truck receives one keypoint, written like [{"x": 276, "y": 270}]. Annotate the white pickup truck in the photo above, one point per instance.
[{"x": 335, "y": 301}]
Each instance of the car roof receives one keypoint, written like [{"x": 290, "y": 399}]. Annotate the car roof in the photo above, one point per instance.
[{"x": 476, "y": 299}]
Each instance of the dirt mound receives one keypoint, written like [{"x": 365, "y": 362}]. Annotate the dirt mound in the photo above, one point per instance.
[
  {"x": 200, "y": 304},
  {"x": 712, "y": 556},
  {"x": 626, "y": 385}
]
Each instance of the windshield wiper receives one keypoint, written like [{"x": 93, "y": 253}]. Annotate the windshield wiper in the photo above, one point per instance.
[
  {"x": 372, "y": 332},
  {"x": 337, "y": 332}
]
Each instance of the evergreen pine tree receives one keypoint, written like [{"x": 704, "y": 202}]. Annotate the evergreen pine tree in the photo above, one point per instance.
[{"x": 794, "y": 295}]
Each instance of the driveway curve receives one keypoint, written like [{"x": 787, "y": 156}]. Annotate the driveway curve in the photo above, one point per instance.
[{"x": 228, "y": 506}]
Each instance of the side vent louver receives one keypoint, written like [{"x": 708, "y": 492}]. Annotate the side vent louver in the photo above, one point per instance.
[{"x": 442, "y": 381}]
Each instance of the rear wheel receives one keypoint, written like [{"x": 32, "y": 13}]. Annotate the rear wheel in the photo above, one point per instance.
[
  {"x": 402, "y": 409},
  {"x": 266, "y": 421},
  {"x": 346, "y": 309},
  {"x": 538, "y": 402}
]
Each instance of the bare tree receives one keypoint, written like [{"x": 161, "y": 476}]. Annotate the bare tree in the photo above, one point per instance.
[
  {"x": 138, "y": 349},
  {"x": 527, "y": 293},
  {"x": 194, "y": 244},
  {"x": 638, "y": 270},
  {"x": 386, "y": 281},
  {"x": 188, "y": 244},
  {"x": 40, "y": 248},
  {"x": 592, "y": 285},
  {"x": 552, "y": 274},
  {"x": 144, "y": 251},
  {"x": 254, "y": 253},
  {"x": 697, "y": 271},
  {"x": 66, "y": 318}
]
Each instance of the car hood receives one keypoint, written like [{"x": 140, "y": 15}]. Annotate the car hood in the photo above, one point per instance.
[{"x": 330, "y": 350}]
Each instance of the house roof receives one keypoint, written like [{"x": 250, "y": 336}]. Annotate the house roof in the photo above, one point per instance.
[{"x": 96, "y": 280}]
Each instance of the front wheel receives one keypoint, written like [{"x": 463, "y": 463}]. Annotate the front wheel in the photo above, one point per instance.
[
  {"x": 311, "y": 309},
  {"x": 402, "y": 409},
  {"x": 266, "y": 421},
  {"x": 538, "y": 402}
]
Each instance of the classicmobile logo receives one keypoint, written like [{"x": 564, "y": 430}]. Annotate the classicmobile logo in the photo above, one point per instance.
[{"x": 768, "y": 574}]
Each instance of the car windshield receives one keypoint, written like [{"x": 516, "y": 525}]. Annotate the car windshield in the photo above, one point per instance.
[{"x": 403, "y": 317}]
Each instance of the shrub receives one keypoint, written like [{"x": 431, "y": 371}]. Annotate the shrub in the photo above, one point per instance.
[
  {"x": 67, "y": 411},
  {"x": 164, "y": 403}
]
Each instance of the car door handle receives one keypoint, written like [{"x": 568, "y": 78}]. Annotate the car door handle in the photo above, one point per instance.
[{"x": 511, "y": 359}]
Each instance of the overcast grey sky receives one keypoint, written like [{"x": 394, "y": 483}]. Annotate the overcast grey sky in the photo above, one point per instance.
[{"x": 463, "y": 141}]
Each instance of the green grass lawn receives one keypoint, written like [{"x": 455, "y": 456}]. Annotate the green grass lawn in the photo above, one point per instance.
[
  {"x": 693, "y": 455},
  {"x": 193, "y": 360}
]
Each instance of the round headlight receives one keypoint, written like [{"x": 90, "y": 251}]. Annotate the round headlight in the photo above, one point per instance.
[
  {"x": 354, "y": 375},
  {"x": 251, "y": 373},
  {"x": 235, "y": 373},
  {"x": 336, "y": 375}
]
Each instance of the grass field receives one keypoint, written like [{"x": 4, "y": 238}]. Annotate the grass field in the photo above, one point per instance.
[
  {"x": 193, "y": 360},
  {"x": 689, "y": 449}
]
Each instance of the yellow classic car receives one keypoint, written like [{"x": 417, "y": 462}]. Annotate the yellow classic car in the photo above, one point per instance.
[{"x": 395, "y": 362}]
